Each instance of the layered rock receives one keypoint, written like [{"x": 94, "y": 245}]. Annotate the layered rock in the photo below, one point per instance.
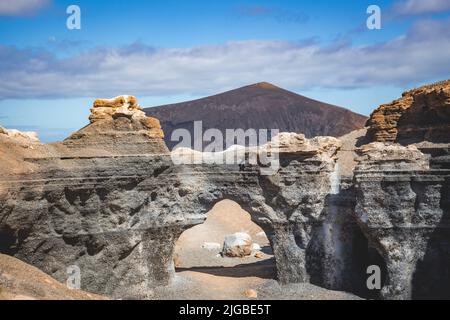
[
  {"x": 402, "y": 191},
  {"x": 421, "y": 114},
  {"x": 110, "y": 200},
  {"x": 95, "y": 200},
  {"x": 116, "y": 107},
  {"x": 402, "y": 207},
  {"x": 118, "y": 125}
]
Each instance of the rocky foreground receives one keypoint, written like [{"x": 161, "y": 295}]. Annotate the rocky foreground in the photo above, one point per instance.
[
  {"x": 110, "y": 200},
  {"x": 20, "y": 281}
]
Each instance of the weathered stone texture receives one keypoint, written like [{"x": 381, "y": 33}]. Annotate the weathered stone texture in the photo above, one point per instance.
[
  {"x": 110, "y": 200},
  {"x": 421, "y": 114},
  {"x": 400, "y": 209},
  {"x": 113, "y": 200},
  {"x": 401, "y": 183}
]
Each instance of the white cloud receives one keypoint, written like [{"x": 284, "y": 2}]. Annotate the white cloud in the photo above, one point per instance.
[
  {"x": 417, "y": 7},
  {"x": 420, "y": 55},
  {"x": 21, "y": 7}
]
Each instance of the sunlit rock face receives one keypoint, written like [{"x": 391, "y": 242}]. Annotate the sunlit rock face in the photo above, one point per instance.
[
  {"x": 111, "y": 200},
  {"x": 120, "y": 126},
  {"x": 403, "y": 208},
  {"x": 95, "y": 200},
  {"x": 113, "y": 108},
  {"x": 239, "y": 244},
  {"x": 421, "y": 114},
  {"x": 402, "y": 185}
]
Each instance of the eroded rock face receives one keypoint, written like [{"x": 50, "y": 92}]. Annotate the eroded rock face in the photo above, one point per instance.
[
  {"x": 402, "y": 207},
  {"x": 116, "y": 107},
  {"x": 402, "y": 191},
  {"x": 383, "y": 156},
  {"x": 296, "y": 143},
  {"x": 110, "y": 200},
  {"x": 239, "y": 244},
  {"x": 95, "y": 200},
  {"x": 421, "y": 114}
]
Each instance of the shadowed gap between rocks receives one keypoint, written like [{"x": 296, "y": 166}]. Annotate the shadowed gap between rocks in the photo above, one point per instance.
[
  {"x": 431, "y": 279},
  {"x": 339, "y": 261}
]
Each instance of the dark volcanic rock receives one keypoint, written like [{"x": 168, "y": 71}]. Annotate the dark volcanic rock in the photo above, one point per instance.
[
  {"x": 402, "y": 187},
  {"x": 403, "y": 209},
  {"x": 258, "y": 106},
  {"x": 110, "y": 200},
  {"x": 92, "y": 201}
]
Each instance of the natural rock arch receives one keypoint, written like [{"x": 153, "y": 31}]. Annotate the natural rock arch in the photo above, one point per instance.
[
  {"x": 200, "y": 248},
  {"x": 110, "y": 200}
]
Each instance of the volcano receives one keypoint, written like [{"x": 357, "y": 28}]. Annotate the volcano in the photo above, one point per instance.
[{"x": 258, "y": 106}]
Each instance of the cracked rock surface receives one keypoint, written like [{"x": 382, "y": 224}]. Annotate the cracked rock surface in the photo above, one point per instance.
[{"x": 110, "y": 200}]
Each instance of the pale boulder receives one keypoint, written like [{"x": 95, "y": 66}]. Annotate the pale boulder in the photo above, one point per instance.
[
  {"x": 239, "y": 244},
  {"x": 121, "y": 106}
]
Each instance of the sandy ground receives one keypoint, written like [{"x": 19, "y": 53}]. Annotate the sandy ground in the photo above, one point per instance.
[
  {"x": 225, "y": 218},
  {"x": 217, "y": 284},
  {"x": 203, "y": 274},
  {"x": 20, "y": 281}
]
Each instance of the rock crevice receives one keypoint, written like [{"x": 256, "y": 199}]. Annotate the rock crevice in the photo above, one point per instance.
[{"x": 110, "y": 200}]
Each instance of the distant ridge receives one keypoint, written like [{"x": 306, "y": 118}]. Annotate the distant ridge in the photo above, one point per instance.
[{"x": 258, "y": 106}]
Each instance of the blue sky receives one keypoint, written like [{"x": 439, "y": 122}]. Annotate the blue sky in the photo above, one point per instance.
[{"x": 169, "y": 51}]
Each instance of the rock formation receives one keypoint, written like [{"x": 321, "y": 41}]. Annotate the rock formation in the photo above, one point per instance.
[
  {"x": 239, "y": 244},
  {"x": 88, "y": 201},
  {"x": 421, "y": 114},
  {"x": 116, "y": 107},
  {"x": 19, "y": 281},
  {"x": 111, "y": 200},
  {"x": 403, "y": 192}
]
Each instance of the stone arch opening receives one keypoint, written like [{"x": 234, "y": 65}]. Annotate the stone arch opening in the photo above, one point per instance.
[{"x": 199, "y": 248}]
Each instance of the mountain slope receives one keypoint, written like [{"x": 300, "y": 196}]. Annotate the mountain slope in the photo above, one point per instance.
[{"x": 258, "y": 106}]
